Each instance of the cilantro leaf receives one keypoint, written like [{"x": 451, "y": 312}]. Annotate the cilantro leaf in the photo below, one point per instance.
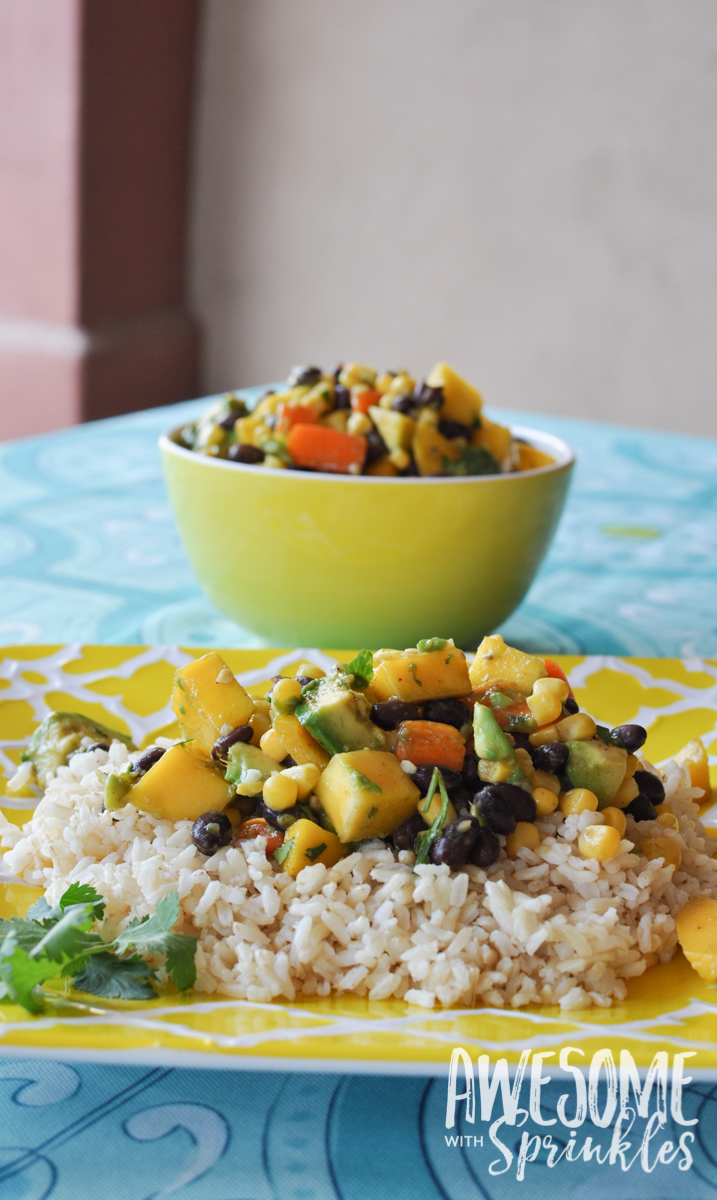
[
  {"x": 41, "y": 911},
  {"x": 116, "y": 978},
  {"x": 473, "y": 461},
  {"x": 83, "y": 893},
  {"x": 20, "y": 974},
  {"x": 153, "y": 935},
  {"x": 26, "y": 933},
  {"x": 361, "y": 667},
  {"x": 426, "y": 839},
  {"x": 313, "y": 852},
  {"x": 69, "y": 937}
]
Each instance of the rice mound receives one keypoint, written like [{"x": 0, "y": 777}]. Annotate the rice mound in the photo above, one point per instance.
[{"x": 548, "y": 927}]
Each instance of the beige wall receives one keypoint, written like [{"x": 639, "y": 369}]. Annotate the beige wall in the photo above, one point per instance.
[{"x": 524, "y": 187}]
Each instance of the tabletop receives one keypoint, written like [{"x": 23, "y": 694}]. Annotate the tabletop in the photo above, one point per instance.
[{"x": 89, "y": 553}]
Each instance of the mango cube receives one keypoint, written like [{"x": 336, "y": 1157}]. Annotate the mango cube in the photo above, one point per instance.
[
  {"x": 299, "y": 743},
  {"x": 365, "y": 794},
  {"x": 181, "y": 786},
  {"x": 309, "y": 844},
  {"x": 694, "y": 757},
  {"x": 461, "y": 401},
  {"x": 207, "y": 697},
  {"x": 697, "y": 931},
  {"x": 419, "y": 677},
  {"x": 496, "y": 439},
  {"x": 500, "y": 664}
]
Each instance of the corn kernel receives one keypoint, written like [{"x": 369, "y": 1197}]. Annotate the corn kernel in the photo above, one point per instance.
[
  {"x": 557, "y": 687},
  {"x": 663, "y": 808},
  {"x": 524, "y": 761},
  {"x": 616, "y": 818},
  {"x": 541, "y": 737},
  {"x": 272, "y": 460},
  {"x": 261, "y": 724},
  {"x": 578, "y": 727},
  {"x": 280, "y": 792},
  {"x": 262, "y": 706},
  {"x": 662, "y": 847},
  {"x": 632, "y": 765},
  {"x": 309, "y": 671},
  {"x": 359, "y": 423},
  {"x": 384, "y": 382},
  {"x": 545, "y": 707},
  {"x": 285, "y": 691},
  {"x": 599, "y": 841},
  {"x": 271, "y": 744},
  {"x": 494, "y": 772},
  {"x": 400, "y": 459},
  {"x": 307, "y": 775},
  {"x": 578, "y": 800},
  {"x": 545, "y": 801},
  {"x": 544, "y": 779},
  {"x": 668, "y": 820},
  {"x": 525, "y": 834},
  {"x": 337, "y": 419},
  {"x": 626, "y": 793},
  {"x": 250, "y": 789},
  {"x": 434, "y": 809}
]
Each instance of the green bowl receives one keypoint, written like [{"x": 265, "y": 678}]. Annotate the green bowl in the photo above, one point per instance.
[{"x": 305, "y": 558}]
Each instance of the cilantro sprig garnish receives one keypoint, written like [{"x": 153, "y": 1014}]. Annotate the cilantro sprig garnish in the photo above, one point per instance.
[
  {"x": 63, "y": 940},
  {"x": 361, "y": 667},
  {"x": 425, "y": 840}
]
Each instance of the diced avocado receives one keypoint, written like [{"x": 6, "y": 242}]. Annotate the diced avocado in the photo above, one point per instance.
[
  {"x": 366, "y": 794},
  {"x": 243, "y": 758},
  {"x": 338, "y": 717},
  {"x": 489, "y": 740},
  {"x": 598, "y": 767},
  {"x": 59, "y": 735}
]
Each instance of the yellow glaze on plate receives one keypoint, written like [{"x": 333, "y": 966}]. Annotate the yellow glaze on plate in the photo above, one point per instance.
[{"x": 668, "y": 1008}]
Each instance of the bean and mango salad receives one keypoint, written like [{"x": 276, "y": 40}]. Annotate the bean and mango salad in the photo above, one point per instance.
[
  {"x": 452, "y": 762},
  {"x": 357, "y": 422}
]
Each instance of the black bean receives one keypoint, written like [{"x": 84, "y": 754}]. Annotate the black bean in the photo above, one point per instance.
[
  {"x": 388, "y": 714},
  {"x": 454, "y": 429},
  {"x": 405, "y": 834},
  {"x": 471, "y": 778},
  {"x": 376, "y": 447},
  {"x": 242, "y": 733},
  {"x": 304, "y": 376},
  {"x": 289, "y": 762},
  {"x": 571, "y": 705},
  {"x": 211, "y": 831},
  {"x": 495, "y": 811},
  {"x": 342, "y": 396},
  {"x": 461, "y": 800},
  {"x": 337, "y": 371},
  {"x": 486, "y": 849},
  {"x": 304, "y": 679},
  {"x": 142, "y": 764},
  {"x": 650, "y": 786},
  {"x": 520, "y": 802},
  {"x": 97, "y": 746},
  {"x": 245, "y": 806},
  {"x": 551, "y": 757},
  {"x": 455, "y": 843},
  {"x": 448, "y": 712},
  {"x": 642, "y": 808},
  {"x": 243, "y": 452},
  {"x": 424, "y": 774},
  {"x": 427, "y": 397},
  {"x": 279, "y": 820},
  {"x": 228, "y": 422},
  {"x": 630, "y": 737},
  {"x": 403, "y": 404}
]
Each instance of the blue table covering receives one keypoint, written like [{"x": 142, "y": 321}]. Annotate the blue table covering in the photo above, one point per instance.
[{"x": 89, "y": 552}]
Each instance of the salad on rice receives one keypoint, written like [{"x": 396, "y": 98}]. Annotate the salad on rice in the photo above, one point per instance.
[{"x": 409, "y": 825}]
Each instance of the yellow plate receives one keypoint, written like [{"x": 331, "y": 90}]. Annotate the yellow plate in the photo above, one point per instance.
[{"x": 668, "y": 1008}]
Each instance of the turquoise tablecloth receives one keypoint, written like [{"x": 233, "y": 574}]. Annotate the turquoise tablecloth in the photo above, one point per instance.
[{"x": 89, "y": 552}]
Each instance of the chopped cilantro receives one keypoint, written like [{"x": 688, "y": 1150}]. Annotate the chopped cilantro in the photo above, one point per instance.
[
  {"x": 361, "y": 667},
  {"x": 473, "y": 461},
  {"x": 428, "y": 645},
  {"x": 363, "y": 782},
  {"x": 412, "y": 669},
  {"x": 372, "y": 812},
  {"x": 314, "y": 852},
  {"x": 425, "y": 840}
]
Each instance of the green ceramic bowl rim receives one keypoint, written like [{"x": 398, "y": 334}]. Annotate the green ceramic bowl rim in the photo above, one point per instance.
[{"x": 547, "y": 442}]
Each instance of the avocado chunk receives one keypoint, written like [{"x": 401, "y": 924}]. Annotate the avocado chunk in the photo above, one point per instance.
[
  {"x": 489, "y": 740},
  {"x": 59, "y": 735},
  {"x": 338, "y": 717},
  {"x": 243, "y": 758},
  {"x": 600, "y": 768}
]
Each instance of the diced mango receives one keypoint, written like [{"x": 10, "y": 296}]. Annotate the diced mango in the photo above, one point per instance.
[
  {"x": 365, "y": 794},
  {"x": 419, "y": 677},
  {"x": 207, "y": 697},
  {"x": 496, "y": 439},
  {"x": 299, "y": 743},
  {"x": 461, "y": 401},
  {"x": 697, "y": 931},
  {"x": 497, "y": 663},
  {"x": 431, "y": 449},
  {"x": 529, "y": 457},
  {"x": 309, "y": 844},
  {"x": 396, "y": 428},
  {"x": 181, "y": 786},
  {"x": 694, "y": 757},
  {"x": 382, "y": 466}
]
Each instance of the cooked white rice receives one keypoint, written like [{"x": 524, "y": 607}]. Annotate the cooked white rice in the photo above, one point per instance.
[{"x": 548, "y": 927}]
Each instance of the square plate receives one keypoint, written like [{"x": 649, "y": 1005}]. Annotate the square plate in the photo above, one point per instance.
[{"x": 668, "y": 1008}]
